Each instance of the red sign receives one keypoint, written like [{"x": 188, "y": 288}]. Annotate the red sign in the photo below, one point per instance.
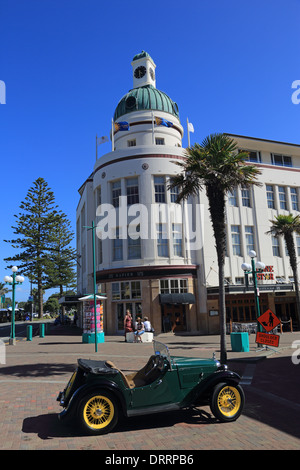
[
  {"x": 267, "y": 274},
  {"x": 268, "y": 320},
  {"x": 268, "y": 339}
]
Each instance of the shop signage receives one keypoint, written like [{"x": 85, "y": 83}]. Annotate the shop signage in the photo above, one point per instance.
[
  {"x": 268, "y": 320},
  {"x": 267, "y": 339},
  {"x": 267, "y": 274}
]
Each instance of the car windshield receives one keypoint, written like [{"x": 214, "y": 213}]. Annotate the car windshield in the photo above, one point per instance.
[{"x": 162, "y": 350}]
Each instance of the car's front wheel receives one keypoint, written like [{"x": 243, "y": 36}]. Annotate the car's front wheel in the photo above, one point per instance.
[
  {"x": 227, "y": 402},
  {"x": 98, "y": 412}
]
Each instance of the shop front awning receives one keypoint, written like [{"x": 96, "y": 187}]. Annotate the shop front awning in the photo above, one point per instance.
[{"x": 177, "y": 298}]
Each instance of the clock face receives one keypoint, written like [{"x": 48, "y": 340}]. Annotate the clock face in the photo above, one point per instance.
[
  {"x": 152, "y": 74},
  {"x": 140, "y": 71}
]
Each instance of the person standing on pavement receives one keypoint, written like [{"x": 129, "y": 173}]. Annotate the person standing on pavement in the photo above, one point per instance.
[{"x": 128, "y": 324}]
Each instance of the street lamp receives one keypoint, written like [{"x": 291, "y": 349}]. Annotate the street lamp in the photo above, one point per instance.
[
  {"x": 253, "y": 269},
  {"x": 13, "y": 281},
  {"x": 94, "y": 296}
]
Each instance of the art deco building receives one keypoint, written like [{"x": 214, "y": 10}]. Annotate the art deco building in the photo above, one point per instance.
[{"x": 156, "y": 257}]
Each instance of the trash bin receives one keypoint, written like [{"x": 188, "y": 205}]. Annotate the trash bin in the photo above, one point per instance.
[{"x": 239, "y": 342}]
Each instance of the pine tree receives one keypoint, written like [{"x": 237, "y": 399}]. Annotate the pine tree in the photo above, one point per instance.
[
  {"x": 35, "y": 228},
  {"x": 61, "y": 259}
]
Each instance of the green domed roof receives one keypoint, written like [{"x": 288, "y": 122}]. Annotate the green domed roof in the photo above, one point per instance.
[
  {"x": 145, "y": 97},
  {"x": 142, "y": 55}
]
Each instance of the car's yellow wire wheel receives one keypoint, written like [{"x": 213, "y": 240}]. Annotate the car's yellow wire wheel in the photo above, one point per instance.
[
  {"x": 229, "y": 401},
  {"x": 98, "y": 412}
]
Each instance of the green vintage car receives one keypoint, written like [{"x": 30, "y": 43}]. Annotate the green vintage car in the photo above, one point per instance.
[{"x": 99, "y": 394}]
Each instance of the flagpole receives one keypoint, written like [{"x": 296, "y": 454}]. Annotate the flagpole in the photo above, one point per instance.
[
  {"x": 188, "y": 132},
  {"x": 112, "y": 135},
  {"x": 96, "y": 147},
  {"x": 152, "y": 128}
]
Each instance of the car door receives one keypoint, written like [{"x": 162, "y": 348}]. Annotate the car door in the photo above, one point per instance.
[{"x": 163, "y": 390}]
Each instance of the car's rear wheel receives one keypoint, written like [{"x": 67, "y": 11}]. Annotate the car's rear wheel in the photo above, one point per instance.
[
  {"x": 227, "y": 402},
  {"x": 98, "y": 412}
]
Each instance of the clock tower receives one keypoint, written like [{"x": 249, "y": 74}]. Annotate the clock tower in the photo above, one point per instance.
[{"x": 143, "y": 70}]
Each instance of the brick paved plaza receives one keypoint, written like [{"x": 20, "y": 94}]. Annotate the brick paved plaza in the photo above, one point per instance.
[{"x": 35, "y": 371}]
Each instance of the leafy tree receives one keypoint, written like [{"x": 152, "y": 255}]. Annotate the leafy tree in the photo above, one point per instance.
[
  {"x": 218, "y": 166},
  {"x": 35, "y": 228},
  {"x": 52, "y": 305},
  {"x": 284, "y": 226},
  {"x": 3, "y": 289}
]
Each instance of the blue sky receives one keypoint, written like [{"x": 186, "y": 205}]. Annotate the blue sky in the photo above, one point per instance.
[{"x": 66, "y": 63}]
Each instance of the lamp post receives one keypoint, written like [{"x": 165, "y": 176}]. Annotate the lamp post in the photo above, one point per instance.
[
  {"x": 94, "y": 280},
  {"x": 253, "y": 269},
  {"x": 13, "y": 281}
]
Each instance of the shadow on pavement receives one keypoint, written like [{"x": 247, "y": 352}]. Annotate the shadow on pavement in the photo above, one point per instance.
[
  {"x": 48, "y": 426},
  {"x": 273, "y": 396},
  {"x": 37, "y": 370}
]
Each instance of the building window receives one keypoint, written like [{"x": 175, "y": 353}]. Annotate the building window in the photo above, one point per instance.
[
  {"x": 117, "y": 246},
  {"x": 162, "y": 240},
  {"x": 232, "y": 197},
  {"x": 282, "y": 197},
  {"x": 116, "y": 193},
  {"x": 132, "y": 189},
  {"x": 174, "y": 192},
  {"x": 98, "y": 196},
  {"x": 275, "y": 246},
  {"x": 270, "y": 196},
  {"x": 246, "y": 197},
  {"x": 294, "y": 199},
  {"x": 249, "y": 234},
  {"x": 134, "y": 246},
  {"x": 177, "y": 239},
  {"x": 173, "y": 286},
  {"x": 135, "y": 290},
  {"x": 159, "y": 189},
  {"x": 115, "y": 291},
  {"x": 253, "y": 156},
  {"x": 159, "y": 141},
  {"x": 126, "y": 290},
  {"x": 281, "y": 160},
  {"x": 236, "y": 240},
  {"x": 131, "y": 143},
  {"x": 164, "y": 286},
  {"x": 298, "y": 244}
]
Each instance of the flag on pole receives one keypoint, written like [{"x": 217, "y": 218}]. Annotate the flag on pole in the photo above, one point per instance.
[
  {"x": 121, "y": 126},
  {"x": 99, "y": 141},
  {"x": 163, "y": 122},
  {"x": 102, "y": 139},
  {"x": 190, "y": 127}
]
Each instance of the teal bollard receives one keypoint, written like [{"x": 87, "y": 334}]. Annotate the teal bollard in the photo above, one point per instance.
[
  {"x": 29, "y": 332},
  {"x": 42, "y": 330}
]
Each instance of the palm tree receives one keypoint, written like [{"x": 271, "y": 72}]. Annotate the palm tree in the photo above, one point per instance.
[
  {"x": 284, "y": 226},
  {"x": 218, "y": 166}
]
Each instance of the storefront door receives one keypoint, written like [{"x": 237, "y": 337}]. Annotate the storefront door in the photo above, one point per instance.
[
  {"x": 174, "y": 317},
  {"x": 135, "y": 309}
]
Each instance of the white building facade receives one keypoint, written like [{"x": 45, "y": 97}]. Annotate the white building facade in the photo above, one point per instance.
[{"x": 157, "y": 258}]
